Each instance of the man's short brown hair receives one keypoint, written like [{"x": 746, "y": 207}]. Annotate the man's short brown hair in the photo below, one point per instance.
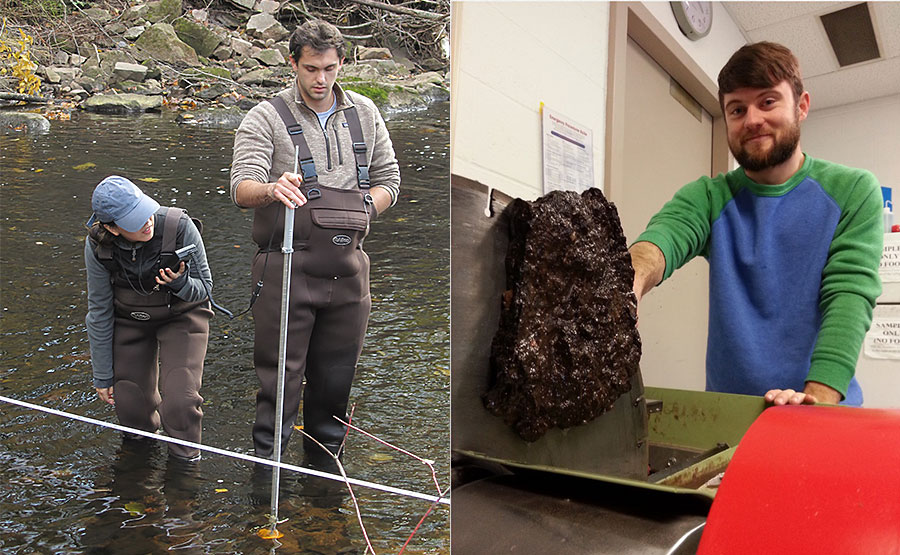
[
  {"x": 319, "y": 35},
  {"x": 760, "y": 65}
]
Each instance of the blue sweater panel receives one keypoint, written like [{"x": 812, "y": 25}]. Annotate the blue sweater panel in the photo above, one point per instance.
[{"x": 766, "y": 256}]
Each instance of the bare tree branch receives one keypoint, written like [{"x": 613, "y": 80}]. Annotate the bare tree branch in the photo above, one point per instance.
[{"x": 401, "y": 10}]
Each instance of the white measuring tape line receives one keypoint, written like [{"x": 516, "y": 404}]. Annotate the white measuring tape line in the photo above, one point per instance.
[{"x": 226, "y": 453}]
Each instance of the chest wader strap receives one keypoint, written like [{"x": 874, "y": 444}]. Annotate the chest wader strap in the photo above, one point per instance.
[
  {"x": 307, "y": 166},
  {"x": 359, "y": 147}
]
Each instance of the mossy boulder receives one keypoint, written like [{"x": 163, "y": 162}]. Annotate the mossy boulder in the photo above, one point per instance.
[
  {"x": 163, "y": 10},
  {"x": 202, "y": 39},
  {"x": 135, "y": 13},
  {"x": 161, "y": 42}
]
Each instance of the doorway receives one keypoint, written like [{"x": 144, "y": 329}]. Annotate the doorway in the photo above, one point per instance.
[{"x": 665, "y": 146}]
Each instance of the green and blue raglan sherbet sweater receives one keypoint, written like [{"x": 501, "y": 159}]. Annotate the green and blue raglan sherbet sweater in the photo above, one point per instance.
[{"x": 793, "y": 273}]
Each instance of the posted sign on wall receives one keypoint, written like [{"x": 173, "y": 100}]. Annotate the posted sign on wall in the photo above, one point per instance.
[
  {"x": 568, "y": 153},
  {"x": 883, "y": 338},
  {"x": 890, "y": 259}
]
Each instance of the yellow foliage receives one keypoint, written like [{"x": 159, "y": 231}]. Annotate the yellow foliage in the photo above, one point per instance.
[
  {"x": 61, "y": 115},
  {"x": 15, "y": 60},
  {"x": 135, "y": 508}
]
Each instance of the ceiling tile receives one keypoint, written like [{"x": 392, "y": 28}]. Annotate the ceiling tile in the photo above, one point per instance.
[
  {"x": 753, "y": 15},
  {"x": 797, "y": 26},
  {"x": 807, "y": 40},
  {"x": 854, "y": 84},
  {"x": 886, "y": 17}
]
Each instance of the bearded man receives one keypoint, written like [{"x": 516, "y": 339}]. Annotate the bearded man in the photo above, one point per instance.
[{"x": 793, "y": 244}]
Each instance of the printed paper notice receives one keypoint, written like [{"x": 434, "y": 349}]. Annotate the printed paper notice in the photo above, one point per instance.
[
  {"x": 890, "y": 258},
  {"x": 568, "y": 154},
  {"x": 883, "y": 338}
]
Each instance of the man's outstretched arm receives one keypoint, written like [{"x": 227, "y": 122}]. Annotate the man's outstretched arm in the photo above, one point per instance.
[{"x": 649, "y": 266}]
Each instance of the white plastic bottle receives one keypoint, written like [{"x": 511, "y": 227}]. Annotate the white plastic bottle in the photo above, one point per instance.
[{"x": 888, "y": 218}]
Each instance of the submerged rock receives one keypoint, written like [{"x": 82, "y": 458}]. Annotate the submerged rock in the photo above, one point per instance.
[
  {"x": 223, "y": 118},
  {"x": 31, "y": 123},
  {"x": 567, "y": 344}
]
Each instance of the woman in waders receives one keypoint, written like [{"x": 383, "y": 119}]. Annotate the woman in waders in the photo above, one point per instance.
[{"x": 148, "y": 314}]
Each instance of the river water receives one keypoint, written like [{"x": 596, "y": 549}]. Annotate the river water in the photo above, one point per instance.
[{"x": 72, "y": 487}]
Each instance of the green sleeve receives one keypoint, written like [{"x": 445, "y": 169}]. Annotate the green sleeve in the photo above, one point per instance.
[
  {"x": 850, "y": 281},
  {"x": 681, "y": 228}
]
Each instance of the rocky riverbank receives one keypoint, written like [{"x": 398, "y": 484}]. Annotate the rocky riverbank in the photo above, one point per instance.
[{"x": 208, "y": 64}]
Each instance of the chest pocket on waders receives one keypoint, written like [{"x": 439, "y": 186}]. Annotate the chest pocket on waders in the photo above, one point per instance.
[{"x": 339, "y": 223}]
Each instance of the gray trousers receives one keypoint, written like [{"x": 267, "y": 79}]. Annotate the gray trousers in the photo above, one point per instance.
[{"x": 158, "y": 370}]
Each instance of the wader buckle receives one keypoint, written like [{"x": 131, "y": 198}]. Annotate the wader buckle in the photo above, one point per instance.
[
  {"x": 362, "y": 175},
  {"x": 312, "y": 194},
  {"x": 359, "y": 148},
  {"x": 294, "y": 129},
  {"x": 308, "y": 169}
]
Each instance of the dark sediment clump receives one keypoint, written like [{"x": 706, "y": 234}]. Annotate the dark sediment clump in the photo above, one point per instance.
[{"x": 567, "y": 344}]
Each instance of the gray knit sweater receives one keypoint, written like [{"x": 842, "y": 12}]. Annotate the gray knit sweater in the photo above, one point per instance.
[{"x": 263, "y": 149}]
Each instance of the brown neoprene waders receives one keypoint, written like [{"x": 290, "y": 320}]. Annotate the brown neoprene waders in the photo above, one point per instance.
[
  {"x": 155, "y": 341},
  {"x": 327, "y": 318}
]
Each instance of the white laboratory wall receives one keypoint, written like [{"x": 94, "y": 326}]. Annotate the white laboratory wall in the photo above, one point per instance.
[
  {"x": 864, "y": 135},
  {"x": 509, "y": 57},
  {"x": 712, "y": 51}
]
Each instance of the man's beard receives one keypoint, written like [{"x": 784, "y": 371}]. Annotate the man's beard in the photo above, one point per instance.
[{"x": 780, "y": 152}]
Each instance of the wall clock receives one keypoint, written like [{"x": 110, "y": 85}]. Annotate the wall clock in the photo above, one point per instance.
[{"x": 694, "y": 18}]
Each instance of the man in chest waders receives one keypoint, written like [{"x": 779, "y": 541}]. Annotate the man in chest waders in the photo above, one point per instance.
[{"x": 348, "y": 175}]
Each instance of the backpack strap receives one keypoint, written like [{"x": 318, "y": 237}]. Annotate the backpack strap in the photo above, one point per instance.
[
  {"x": 307, "y": 165},
  {"x": 171, "y": 217},
  {"x": 359, "y": 147},
  {"x": 103, "y": 252}
]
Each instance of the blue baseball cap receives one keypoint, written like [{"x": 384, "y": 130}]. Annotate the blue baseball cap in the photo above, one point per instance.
[{"x": 118, "y": 200}]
